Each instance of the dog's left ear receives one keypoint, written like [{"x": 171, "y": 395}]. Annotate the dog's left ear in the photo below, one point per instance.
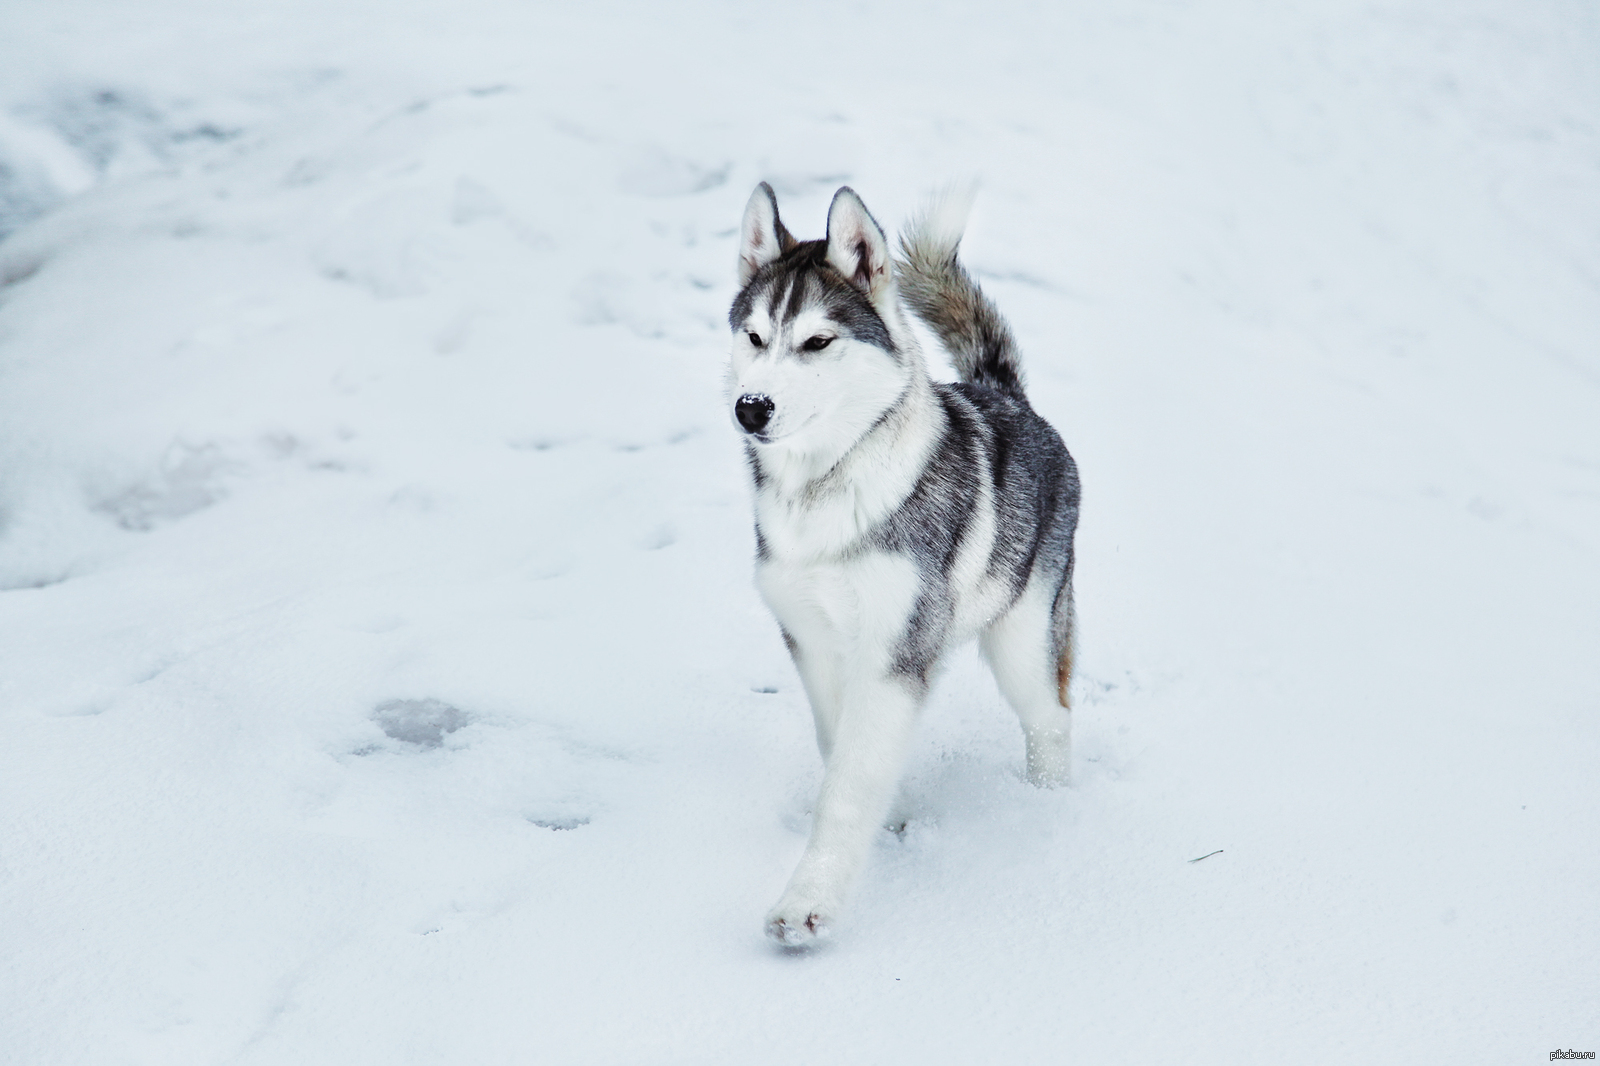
[{"x": 857, "y": 247}]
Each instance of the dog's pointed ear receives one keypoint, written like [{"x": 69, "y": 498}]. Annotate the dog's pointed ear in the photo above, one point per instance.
[
  {"x": 762, "y": 237},
  {"x": 857, "y": 247}
]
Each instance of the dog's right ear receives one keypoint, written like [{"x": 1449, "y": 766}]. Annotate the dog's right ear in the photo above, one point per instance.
[{"x": 762, "y": 237}]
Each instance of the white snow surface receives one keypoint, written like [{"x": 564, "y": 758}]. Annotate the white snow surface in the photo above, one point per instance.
[{"x": 381, "y": 676}]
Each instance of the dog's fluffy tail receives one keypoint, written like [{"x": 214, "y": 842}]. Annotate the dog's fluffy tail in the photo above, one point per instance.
[{"x": 943, "y": 295}]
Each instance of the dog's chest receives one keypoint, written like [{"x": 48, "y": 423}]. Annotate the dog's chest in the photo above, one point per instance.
[
  {"x": 823, "y": 569},
  {"x": 805, "y": 531},
  {"x": 844, "y": 605}
]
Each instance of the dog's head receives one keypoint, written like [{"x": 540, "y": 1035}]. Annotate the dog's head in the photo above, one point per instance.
[{"x": 814, "y": 362}]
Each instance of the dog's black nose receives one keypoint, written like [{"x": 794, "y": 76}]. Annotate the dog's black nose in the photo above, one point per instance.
[{"x": 754, "y": 411}]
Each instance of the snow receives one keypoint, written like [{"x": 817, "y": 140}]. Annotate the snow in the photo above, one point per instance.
[{"x": 382, "y": 679}]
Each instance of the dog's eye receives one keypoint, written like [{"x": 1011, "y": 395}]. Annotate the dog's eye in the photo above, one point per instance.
[
  {"x": 816, "y": 344},
  {"x": 755, "y": 339}
]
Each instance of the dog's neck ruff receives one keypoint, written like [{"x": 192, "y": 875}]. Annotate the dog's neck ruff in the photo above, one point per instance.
[{"x": 823, "y": 501}]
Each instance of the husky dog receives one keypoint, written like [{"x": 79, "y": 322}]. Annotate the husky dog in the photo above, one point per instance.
[{"x": 896, "y": 516}]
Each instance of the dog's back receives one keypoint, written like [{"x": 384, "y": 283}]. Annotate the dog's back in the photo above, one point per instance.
[{"x": 1035, "y": 480}]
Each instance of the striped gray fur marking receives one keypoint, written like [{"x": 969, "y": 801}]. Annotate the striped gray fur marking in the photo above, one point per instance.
[
  {"x": 996, "y": 437},
  {"x": 803, "y": 278}
]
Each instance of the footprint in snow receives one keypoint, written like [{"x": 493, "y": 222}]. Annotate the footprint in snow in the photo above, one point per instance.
[
  {"x": 560, "y": 823},
  {"x": 421, "y": 722}
]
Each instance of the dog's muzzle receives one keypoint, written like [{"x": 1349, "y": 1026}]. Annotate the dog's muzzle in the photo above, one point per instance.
[{"x": 753, "y": 411}]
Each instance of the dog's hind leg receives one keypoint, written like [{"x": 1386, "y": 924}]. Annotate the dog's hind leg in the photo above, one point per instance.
[{"x": 1030, "y": 651}]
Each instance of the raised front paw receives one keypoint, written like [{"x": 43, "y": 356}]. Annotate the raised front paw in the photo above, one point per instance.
[{"x": 797, "y": 923}]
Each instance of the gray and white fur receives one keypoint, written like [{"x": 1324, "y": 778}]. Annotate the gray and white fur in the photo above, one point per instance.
[{"x": 896, "y": 516}]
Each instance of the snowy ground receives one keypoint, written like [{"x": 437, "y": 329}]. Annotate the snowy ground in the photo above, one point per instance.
[{"x": 381, "y": 680}]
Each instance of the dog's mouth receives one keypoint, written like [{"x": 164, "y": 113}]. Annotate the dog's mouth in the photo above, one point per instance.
[{"x": 767, "y": 438}]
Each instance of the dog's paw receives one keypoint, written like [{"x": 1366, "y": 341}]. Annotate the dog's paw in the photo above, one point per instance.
[
  {"x": 795, "y": 931},
  {"x": 1053, "y": 777},
  {"x": 798, "y": 924},
  {"x": 1050, "y": 760}
]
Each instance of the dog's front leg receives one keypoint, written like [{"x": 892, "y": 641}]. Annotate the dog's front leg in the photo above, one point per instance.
[
  {"x": 819, "y": 673},
  {"x": 858, "y": 788}
]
